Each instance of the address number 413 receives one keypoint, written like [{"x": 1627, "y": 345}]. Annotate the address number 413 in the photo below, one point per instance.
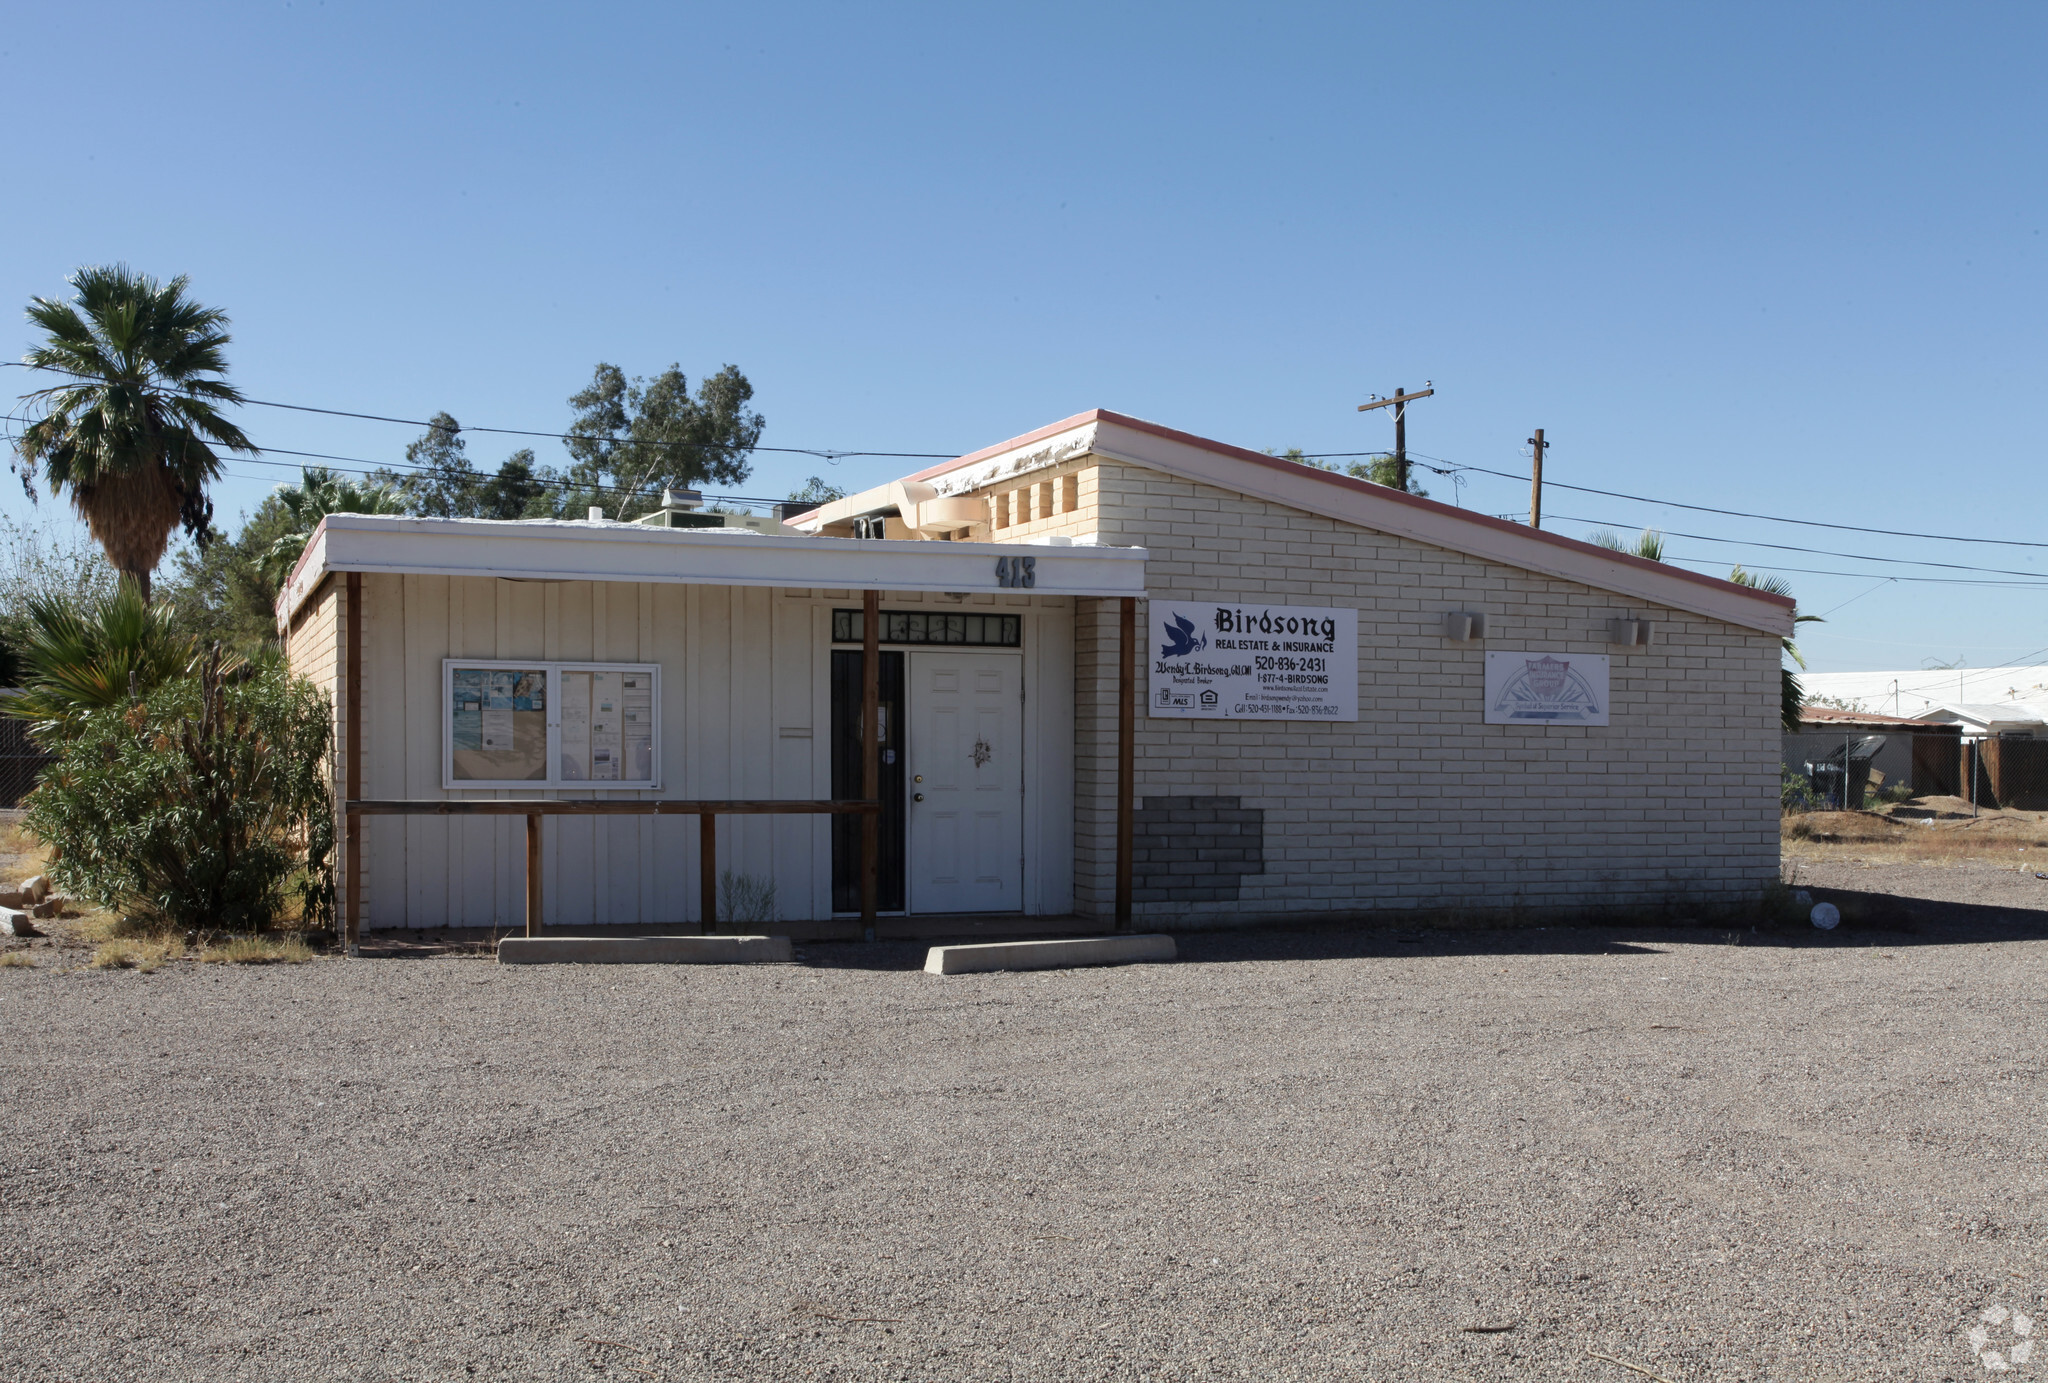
[{"x": 1017, "y": 571}]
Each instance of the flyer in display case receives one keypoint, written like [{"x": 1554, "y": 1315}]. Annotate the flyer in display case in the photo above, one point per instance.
[{"x": 592, "y": 724}]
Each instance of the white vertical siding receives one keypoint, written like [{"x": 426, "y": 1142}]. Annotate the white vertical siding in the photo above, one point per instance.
[{"x": 738, "y": 665}]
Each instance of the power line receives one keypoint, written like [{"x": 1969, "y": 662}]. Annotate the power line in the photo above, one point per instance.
[
  {"x": 560, "y": 487},
  {"x": 829, "y": 454},
  {"x": 413, "y": 466},
  {"x": 826, "y": 453},
  {"x": 1942, "y": 683},
  {"x": 1886, "y": 581},
  {"x": 1820, "y": 551},
  {"x": 1733, "y": 513},
  {"x": 1864, "y": 575}
]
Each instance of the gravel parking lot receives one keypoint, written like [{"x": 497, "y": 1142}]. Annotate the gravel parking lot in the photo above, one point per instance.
[{"x": 1709, "y": 1155}]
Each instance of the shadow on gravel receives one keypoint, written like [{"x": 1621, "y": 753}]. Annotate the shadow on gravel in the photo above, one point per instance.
[
  {"x": 864, "y": 955},
  {"x": 1868, "y": 919}
]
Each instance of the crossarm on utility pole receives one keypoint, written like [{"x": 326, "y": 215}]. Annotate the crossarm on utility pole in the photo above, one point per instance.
[{"x": 1399, "y": 402}]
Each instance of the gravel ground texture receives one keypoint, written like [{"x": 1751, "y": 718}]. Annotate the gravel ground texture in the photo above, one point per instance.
[{"x": 1290, "y": 1155}]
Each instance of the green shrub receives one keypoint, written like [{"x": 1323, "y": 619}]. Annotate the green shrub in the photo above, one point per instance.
[
  {"x": 1795, "y": 793},
  {"x": 206, "y": 804}
]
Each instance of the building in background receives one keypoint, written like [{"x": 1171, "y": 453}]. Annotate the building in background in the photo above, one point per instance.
[
  {"x": 1921, "y": 754},
  {"x": 1919, "y": 690}
]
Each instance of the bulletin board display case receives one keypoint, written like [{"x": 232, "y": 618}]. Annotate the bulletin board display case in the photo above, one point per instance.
[{"x": 548, "y": 725}]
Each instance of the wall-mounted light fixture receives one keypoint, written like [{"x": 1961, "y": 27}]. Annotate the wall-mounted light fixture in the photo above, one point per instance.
[{"x": 1463, "y": 626}]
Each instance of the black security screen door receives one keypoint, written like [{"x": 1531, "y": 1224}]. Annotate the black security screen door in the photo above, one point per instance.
[{"x": 846, "y": 769}]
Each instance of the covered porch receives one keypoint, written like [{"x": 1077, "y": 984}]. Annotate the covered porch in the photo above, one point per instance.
[{"x": 736, "y": 634}]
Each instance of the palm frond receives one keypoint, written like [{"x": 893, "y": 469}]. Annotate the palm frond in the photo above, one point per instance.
[{"x": 79, "y": 657}]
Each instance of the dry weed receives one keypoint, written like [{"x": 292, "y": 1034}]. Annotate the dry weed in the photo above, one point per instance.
[
  {"x": 2011, "y": 839},
  {"x": 258, "y": 950},
  {"x": 21, "y": 854},
  {"x": 145, "y": 955},
  {"x": 114, "y": 955},
  {"x": 13, "y": 960},
  {"x": 151, "y": 954},
  {"x": 102, "y": 925}
]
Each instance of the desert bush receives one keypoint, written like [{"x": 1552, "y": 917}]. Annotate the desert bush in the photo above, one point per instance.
[
  {"x": 13, "y": 959},
  {"x": 1795, "y": 793},
  {"x": 203, "y": 805},
  {"x": 745, "y": 898}
]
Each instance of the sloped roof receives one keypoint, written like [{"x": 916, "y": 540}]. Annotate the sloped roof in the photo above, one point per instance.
[
  {"x": 1835, "y": 715},
  {"x": 1119, "y": 437},
  {"x": 1991, "y": 712}
]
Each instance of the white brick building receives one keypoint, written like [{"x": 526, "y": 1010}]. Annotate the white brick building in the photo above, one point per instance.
[{"x": 1626, "y": 755}]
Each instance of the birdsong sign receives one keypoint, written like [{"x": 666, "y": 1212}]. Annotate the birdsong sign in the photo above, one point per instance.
[{"x": 1214, "y": 661}]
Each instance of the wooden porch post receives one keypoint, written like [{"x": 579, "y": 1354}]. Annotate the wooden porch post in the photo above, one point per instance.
[
  {"x": 1126, "y": 716},
  {"x": 870, "y": 754},
  {"x": 352, "y": 850},
  {"x": 707, "y": 872},
  {"x": 533, "y": 874}
]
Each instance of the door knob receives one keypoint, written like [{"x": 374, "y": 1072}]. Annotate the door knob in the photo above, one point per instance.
[{"x": 917, "y": 797}]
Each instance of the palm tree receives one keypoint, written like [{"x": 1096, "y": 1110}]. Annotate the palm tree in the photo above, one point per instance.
[
  {"x": 1649, "y": 543},
  {"x": 132, "y": 436},
  {"x": 1791, "y": 696},
  {"x": 320, "y": 492}
]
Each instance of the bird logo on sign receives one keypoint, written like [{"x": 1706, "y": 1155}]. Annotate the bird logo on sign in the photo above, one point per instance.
[{"x": 1181, "y": 638}]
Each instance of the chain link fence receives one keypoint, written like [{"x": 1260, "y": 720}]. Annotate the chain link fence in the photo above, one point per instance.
[
  {"x": 2008, "y": 772},
  {"x": 20, "y": 761},
  {"x": 1843, "y": 772}
]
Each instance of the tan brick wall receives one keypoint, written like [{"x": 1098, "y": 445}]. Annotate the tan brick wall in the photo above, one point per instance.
[
  {"x": 1419, "y": 804},
  {"x": 1058, "y": 500},
  {"x": 313, "y": 650}
]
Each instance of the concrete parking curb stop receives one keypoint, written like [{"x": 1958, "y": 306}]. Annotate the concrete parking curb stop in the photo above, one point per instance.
[
  {"x": 1048, "y": 955},
  {"x": 642, "y": 950}
]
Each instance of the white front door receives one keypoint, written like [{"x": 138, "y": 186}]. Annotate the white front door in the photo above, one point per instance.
[{"x": 966, "y": 837}]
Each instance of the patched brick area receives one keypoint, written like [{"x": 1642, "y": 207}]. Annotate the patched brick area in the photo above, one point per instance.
[{"x": 1195, "y": 849}]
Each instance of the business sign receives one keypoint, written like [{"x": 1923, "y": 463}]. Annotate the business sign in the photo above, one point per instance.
[
  {"x": 1252, "y": 662},
  {"x": 1546, "y": 688}
]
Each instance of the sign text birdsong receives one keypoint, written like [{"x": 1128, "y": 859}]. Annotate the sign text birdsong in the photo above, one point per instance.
[{"x": 1239, "y": 661}]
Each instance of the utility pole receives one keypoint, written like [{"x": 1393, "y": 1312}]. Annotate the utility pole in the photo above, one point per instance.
[
  {"x": 1400, "y": 405},
  {"x": 1536, "y": 480}
]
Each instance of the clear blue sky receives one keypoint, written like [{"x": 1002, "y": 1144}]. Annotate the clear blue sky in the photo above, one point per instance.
[{"x": 1775, "y": 258}]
